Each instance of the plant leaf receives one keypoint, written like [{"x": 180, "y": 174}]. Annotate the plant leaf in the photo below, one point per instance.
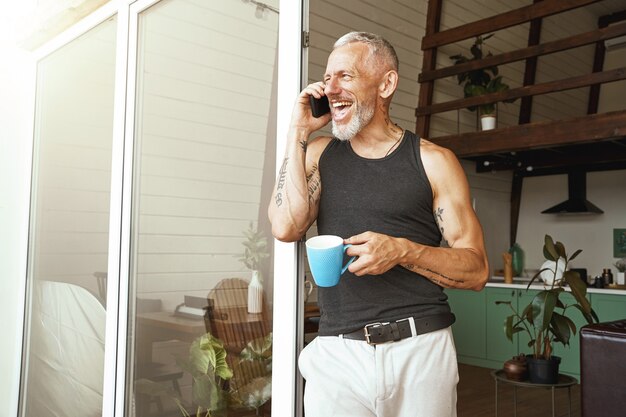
[
  {"x": 543, "y": 306},
  {"x": 508, "y": 327},
  {"x": 579, "y": 290},
  {"x": 549, "y": 251},
  {"x": 575, "y": 255},
  {"x": 562, "y": 327},
  {"x": 560, "y": 249}
]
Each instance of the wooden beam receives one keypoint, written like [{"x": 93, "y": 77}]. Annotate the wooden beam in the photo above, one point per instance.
[
  {"x": 598, "y": 59},
  {"x": 530, "y": 70},
  {"x": 429, "y": 62},
  {"x": 537, "y": 135},
  {"x": 607, "y": 153},
  {"x": 529, "y": 90},
  {"x": 570, "y": 42},
  {"x": 516, "y": 201},
  {"x": 501, "y": 21}
]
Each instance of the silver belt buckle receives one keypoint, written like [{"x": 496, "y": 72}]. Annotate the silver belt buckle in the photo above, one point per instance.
[{"x": 367, "y": 334}]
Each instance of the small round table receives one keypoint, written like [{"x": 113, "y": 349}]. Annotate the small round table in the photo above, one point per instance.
[{"x": 564, "y": 381}]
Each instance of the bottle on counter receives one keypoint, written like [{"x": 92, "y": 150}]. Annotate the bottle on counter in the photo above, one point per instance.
[
  {"x": 607, "y": 276},
  {"x": 517, "y": 254}
]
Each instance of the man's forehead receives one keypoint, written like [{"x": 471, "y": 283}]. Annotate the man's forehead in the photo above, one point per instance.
[{"x": 347, "y": 57}]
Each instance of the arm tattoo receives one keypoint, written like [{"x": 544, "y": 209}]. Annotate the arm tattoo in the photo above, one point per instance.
[
  {"x": 303, "y": 145},
  {"x": 314, "y": 182},
  {"x": 439, "y": 220},
  {"x": 443, "y": 282},
  {"x": 282, "y": 173}
]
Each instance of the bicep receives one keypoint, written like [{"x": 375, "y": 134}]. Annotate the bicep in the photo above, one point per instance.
[{"x": 452, "y": 205}]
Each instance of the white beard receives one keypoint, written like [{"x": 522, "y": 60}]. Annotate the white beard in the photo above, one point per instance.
[{"x": 360, "y": 119}]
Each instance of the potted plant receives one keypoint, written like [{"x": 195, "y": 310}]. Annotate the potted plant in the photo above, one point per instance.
[
  {"x": 620, "y": 264},
  {"x": 254, "y": 253},
  {"x": 253, "y": 386},
  {"x": 481, "y": 81},
  {"x": 208, "y": 367},
  {"x": 545, "y": 319}
]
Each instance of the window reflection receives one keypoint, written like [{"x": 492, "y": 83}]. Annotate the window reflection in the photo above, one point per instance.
[
  {"x": 68, "y": 246},
  {"x": 204, "y": 169}
]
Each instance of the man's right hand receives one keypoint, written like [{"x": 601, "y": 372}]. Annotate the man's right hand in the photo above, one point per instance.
[{"x": 302, "y": 118}]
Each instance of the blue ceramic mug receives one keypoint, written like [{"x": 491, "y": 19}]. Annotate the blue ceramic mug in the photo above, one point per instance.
[{"x": 325, "y": 254}]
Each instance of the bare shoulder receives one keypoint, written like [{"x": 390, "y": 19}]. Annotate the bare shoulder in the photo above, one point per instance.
[
  {"x": 315, "y": 147},
  {"x": 437, "y": 160}
]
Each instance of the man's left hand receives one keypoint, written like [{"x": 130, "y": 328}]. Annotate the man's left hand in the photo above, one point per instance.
[{"x": 377, "y": 253}]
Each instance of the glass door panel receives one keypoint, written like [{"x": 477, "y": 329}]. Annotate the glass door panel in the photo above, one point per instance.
[
  {"x": 205, "y": 144},
  {"x": 68, "y": 247}
]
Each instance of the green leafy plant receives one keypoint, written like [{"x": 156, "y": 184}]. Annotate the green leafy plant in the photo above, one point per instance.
[
  {"x": 208, "y": 367},
  {"x": 545, "y": 318},
  {"x": 620, "y": 264},
  {"x": 255, "y": 248},
  {"x": 254, "y": 369},
  {"x": 482, "y": 80}
]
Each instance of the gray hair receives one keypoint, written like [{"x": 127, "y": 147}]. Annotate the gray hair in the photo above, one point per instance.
[{"x": 379, "y": 47}]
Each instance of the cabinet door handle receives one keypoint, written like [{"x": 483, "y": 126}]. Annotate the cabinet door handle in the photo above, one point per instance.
[{"x": 512, "y": 293}]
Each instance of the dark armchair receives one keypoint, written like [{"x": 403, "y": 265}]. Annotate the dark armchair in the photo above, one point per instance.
[{"x": 603, "y": 369}]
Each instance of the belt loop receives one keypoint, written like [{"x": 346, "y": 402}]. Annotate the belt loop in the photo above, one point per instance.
[{"x": 412, "y": 324}]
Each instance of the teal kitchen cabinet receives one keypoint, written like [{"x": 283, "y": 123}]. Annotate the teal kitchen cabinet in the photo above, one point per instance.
[
  {"x": 469, "y": 307},
  {"x": 499, "y": 348},
  {"x": 609, "y": 307}
]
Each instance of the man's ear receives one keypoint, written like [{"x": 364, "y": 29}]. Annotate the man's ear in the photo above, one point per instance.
[{"x": 388, "y": 84}]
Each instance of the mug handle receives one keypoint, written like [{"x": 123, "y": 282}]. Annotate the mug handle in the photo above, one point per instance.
[{"x": 350, "y": 261}]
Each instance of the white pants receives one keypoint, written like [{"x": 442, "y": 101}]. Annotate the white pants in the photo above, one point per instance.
[{"x": 414, "y": 377}]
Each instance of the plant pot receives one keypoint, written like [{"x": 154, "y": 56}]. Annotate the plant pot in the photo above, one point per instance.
[
  {"x": 487, "y": 122},
  {"x": 543, "y": 371},
  {"x": 620, "y": 279}
]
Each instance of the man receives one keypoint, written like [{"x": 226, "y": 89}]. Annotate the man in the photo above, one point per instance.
[{"x": 395, "y": 198}]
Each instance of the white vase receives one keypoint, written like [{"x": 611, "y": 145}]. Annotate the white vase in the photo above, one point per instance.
[
  {"x": 255, "y": 293},
  {"x": 621, "y": 279},
  {"x": 488, "y": 122}
]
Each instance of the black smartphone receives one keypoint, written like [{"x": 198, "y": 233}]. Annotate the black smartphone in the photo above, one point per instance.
[{"x": 319, "y": 106}]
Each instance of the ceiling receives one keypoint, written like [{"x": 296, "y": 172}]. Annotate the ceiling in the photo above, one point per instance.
[{"x": 606, "y": 7}]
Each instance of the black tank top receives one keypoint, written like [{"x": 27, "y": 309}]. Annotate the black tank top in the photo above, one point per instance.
[{"x": 391, "y": 195}]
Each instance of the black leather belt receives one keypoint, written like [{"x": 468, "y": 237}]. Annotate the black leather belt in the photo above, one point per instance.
[{"x": 376, "y": 333}]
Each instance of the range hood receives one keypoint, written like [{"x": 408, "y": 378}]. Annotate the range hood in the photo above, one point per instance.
[{"x": 576, "y": 202}]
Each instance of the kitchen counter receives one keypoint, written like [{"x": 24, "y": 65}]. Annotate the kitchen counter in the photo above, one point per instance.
[{"x": 497, "y": 282}]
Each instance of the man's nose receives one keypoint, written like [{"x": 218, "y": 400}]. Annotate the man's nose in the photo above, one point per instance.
[{"x": 332, "y": 87}]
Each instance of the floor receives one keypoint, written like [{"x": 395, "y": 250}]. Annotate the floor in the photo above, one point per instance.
[{"x": 476, "y": 397}]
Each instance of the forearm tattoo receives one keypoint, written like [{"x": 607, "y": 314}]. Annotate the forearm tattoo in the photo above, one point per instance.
[
  {"x": 436, "y": 277},
  {"x": 313, "y": 183},
  {"x": 439, "y": 220},
  {"x": 282, "y": 173},
  {"x": 303, "y": 145}
]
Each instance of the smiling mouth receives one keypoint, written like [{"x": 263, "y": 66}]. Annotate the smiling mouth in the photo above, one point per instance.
[{"x": 340, "y": 108}]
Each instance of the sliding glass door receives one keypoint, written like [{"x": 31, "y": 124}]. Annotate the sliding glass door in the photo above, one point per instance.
[
  {"x": 63, "y": 363},
  {"x": 201, "y": 248},
  {"x": 156, "y": 142}
]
